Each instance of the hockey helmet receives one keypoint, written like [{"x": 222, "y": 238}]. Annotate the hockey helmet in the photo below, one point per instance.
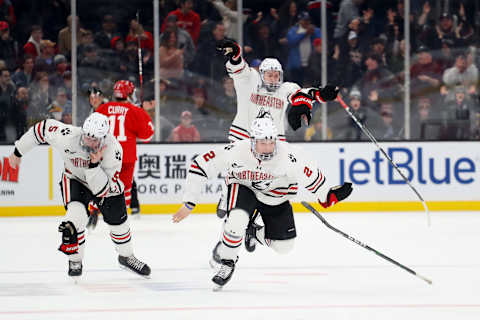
[
  {"x": 94, "y": 131},
  {"x": 263, "y": 130},
  {"x": 271, "y": 64},
  {"x": 123, "y": 89}
]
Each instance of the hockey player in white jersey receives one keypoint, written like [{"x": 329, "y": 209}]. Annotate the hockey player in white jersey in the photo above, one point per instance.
[
  {"x": 265, "y": 91},
  {"x": 93, "y": 160},
  {"x": 263, "y": 174}
]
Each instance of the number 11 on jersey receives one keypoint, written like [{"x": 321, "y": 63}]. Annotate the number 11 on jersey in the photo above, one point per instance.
[{"x": 121, "y": 127}]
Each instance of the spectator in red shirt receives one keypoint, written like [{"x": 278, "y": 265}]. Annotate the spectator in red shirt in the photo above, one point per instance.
[
  {"x": 32, "y": 47},
  {"x": 185, "y": 131},
  {"x": 136, "y": 30},
  {"x": 187, "y": 19}
]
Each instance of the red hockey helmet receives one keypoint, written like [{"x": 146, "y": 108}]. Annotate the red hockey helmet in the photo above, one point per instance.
[{"x": 123, "y": 89}]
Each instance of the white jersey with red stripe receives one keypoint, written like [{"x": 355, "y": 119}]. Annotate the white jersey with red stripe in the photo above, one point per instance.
[
  {"x": 252, "y": 97},
  {"x": 273, "y": 182},
  {"x": 103, "y": 180}
]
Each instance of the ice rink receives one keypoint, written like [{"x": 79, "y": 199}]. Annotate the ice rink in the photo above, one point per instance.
[{"x": 325, "y": 277}]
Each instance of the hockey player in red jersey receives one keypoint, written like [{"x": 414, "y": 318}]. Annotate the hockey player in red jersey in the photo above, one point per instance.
[{"x": 129, "y": 124}]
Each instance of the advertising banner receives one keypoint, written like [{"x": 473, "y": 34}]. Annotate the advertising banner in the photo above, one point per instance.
[{"x": 445, "y": 173}]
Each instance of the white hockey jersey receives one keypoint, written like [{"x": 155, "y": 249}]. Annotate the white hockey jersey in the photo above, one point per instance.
[
  {"x": 252, "y": 97},
  {"x": 102, "y": 180},
  {"x": 273, "y": 182}
]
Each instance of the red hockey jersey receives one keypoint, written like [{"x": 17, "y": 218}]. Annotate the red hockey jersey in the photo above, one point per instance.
[{"x": 128, "y": 123}]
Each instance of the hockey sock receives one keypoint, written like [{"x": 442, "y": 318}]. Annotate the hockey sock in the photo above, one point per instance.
[
  {"x": 233, "y": 233},
  {"x": 121, "y": 237},
  {"x": 77, "y": 214}
]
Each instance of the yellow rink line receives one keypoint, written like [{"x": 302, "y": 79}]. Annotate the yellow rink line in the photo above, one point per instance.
[{"x": 209, "y": 208}]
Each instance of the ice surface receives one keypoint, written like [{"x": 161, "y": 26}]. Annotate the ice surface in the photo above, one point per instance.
[{"x": 325, "y": 277}]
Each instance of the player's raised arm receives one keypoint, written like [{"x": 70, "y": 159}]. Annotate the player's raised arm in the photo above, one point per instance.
[
  {"x": 45, "y": 131},
  {"x": 237, "y": 67}
]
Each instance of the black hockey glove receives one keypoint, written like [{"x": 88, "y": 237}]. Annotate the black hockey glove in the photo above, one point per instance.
[
  {"x": 327, "y": 93},
  {"x": 302, "y": 104},
  {"x": 337, "y": 194},
  {"x": 69, "y": 238},
  {"x": 230, "y": 49}
]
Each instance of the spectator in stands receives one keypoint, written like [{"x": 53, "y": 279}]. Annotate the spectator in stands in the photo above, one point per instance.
[
  {"x": 32, "y": 47},
  {"x": 185, "y": 131},
  {"x": 283, "y": 20},
  {"x": 377, "y": 46},
  {"x": 60, "y": 62},
  {"x": 7, "y": 46},
  {"x": 314, "y": 75},
  {"x": 7, "y": 91},
  {"x": 187, "y": 19},
  {"x": 207, "y": 62},
  {"x": 226, "y": 101},
  {"x": 103, "y": 38},
  {"x": 349, "y": 10},
  {"x": 19, "y": 111},
  {"x": 45, "y": 61},
  {"x": 445, "y": 30},
  {"x": 348, "y": 62},
  {"x": 425, "y": 74},
  {"x": 24, "y": 76},
  {"x": 446, "y": 59},
  {"x": 171, "y": 57},
  {"x": 300, "y": 41},
  {"x": 65, "y": 37},
  {"x": 67, "y": 83},
  {"x": 136, "y": 31},
  {"x": 228, "y": 11},
  {"x": 7, "y": 12},
  {"x": 391, "y": 120},
  {"x": 462, "y": 114},
  {"x": 421, "y": 115},
  {"x": 344, "y": 128},
  {"x": 85, "y": 39},
  {"x": 460, "y": 73},
  {"x": 314, "y": 131},
  {"x": 199, "y": 107},
  {"x": 184, "y": 40},
  {"x": 59, "y": 105},
  {"x": 377, "y": 79},
  {"x": 263, "y": 45},
  {"x": 92, "y": 65},
  {"x": 67, "y": 115},
  {"x": 41, "y": 95}
]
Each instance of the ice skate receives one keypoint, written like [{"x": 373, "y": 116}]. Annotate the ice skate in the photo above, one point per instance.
[
  {"x": 224, "y": 274},
  {"x": 215, "y": 261},
  {"x": 75, "y": 270},
  {"x": 133, "y": 264}
]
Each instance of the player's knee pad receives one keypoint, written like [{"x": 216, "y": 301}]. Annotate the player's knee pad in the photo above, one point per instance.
[
  {"x": 77, "y": 214},
  {"x": 282, "y": 246},
  {"x": 236, "y": 222}
]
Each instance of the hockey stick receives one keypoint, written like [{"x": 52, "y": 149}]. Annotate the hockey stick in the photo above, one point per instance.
[
  {"x": 325, "y": 222},
  {"x": 372, "y": 138},
  {"x": 140, "y": 62}
]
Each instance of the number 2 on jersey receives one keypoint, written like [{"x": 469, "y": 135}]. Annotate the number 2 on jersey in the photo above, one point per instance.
[{"x": 121, "y": 127}]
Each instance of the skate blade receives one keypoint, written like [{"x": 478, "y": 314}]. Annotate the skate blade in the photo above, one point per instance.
[
  {"x": 131, "y": 271},
  {"x": 213, "y": 265},
  {"x": 217, "y": 288}
]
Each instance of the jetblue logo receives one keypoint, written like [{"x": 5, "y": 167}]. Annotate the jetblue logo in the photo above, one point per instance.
[{"x": 414, "y": 164}]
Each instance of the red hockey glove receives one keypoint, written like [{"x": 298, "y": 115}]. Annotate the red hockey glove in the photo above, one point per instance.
[
  {"x": 337, "y": 194},
  {"x": 69, "y": 238},
  {"x": 302, "y": 103},
  {"x": 230, "y": 49}
]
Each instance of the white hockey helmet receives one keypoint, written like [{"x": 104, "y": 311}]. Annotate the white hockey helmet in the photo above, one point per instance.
[
  {"x": 94, "y": 131},
  {"x": 271, "y": 64},
  {"x": 263, "y": 129}
]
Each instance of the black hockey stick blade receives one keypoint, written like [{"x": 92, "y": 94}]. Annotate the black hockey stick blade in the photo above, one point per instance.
[{"x": 325, "y": 222}]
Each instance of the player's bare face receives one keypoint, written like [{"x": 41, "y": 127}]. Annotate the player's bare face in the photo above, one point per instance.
[
  {"x": 271, "y": 77},
  {"x": 265, "y": 146}
]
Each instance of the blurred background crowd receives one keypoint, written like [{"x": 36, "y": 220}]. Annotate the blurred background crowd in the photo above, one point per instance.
[{"x": 365, "y": 54}]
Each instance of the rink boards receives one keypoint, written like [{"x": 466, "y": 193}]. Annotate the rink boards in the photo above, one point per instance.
[{"x": 445, "y": 174}]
